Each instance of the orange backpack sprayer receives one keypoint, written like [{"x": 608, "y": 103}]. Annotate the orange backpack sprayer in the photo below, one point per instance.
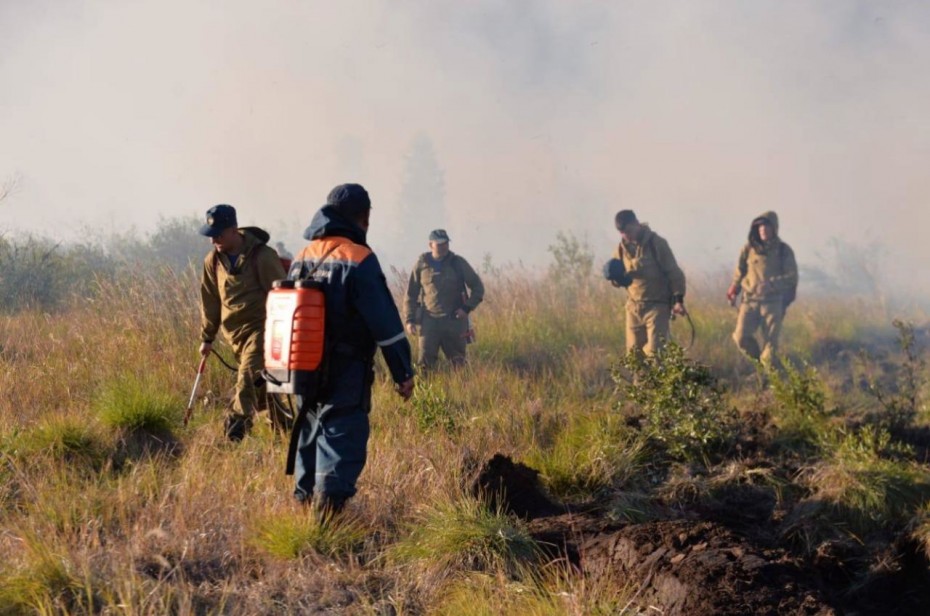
[
  {"x": 294, "y": 336},
  {"x": 295, "y": 343}
]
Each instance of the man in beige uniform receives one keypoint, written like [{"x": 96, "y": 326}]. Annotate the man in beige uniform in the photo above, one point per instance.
[
  {"x": 237, "y": 275},
  {"x": 442, "y": 291},
  {"x": 657, "y": 284},
  {"x": 767, "y": 274}
]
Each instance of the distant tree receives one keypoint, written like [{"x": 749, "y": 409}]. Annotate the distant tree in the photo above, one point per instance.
[
  {"x": 8, "y": 186},
  {"x": 423, "y": 194}
]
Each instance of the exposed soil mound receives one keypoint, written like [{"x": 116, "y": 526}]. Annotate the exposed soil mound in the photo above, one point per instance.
[
  {"x": 514, "y": 488},
  {"x": 683, "y": 567}
]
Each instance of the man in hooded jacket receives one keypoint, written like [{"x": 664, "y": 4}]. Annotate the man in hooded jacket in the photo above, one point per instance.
[
  {"x": 361, "y": 316},
  {"x": 656, "y": 285},
  {"x": 237, "y": 275},
  {"x": 767, "y": 275}
]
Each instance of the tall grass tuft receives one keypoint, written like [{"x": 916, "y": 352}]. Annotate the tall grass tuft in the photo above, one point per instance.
[
  {"x": 290, "y": 536},
  {"x": 135, "y": 405},
  {"x": 45, "y": 584},
  {"x": 866, "y": 484},
  {"x": 464, "y": 534},
  {"x": 593, "y": 452},
  {"x": 66, "y": 439}
]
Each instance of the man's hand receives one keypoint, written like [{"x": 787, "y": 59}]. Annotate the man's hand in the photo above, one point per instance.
[
  {"x": 205, "y": 348},
  {"x": 679, "y": 309},
  {"x": 405, "y": 389},
  {"x": 411, "y": 329},
  {"x": 460, "y": 314},
  {"x": 732, "y": 292}
]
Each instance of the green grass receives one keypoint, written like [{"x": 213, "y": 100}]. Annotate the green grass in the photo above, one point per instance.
[
  {"x": 866, "y": 484},
  {"x": 463, "y": 533},
  {"x": 66, "y": 439},
  {"x": 133, "y": 405},
  {"x": 294, "y": 535},
  {"x": 593, "y": 452}
]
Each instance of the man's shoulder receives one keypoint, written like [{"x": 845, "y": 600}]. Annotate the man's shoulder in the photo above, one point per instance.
[{"x": 336, "y": 248}]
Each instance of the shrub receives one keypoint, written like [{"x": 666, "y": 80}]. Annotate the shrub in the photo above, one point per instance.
[
  {"x": 800, "y": 412},
  {"x": 901, "y": 403},
  {"x": 681, "y": 402}
]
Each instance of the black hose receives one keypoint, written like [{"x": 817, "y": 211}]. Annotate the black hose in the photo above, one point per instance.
[{"x": 224, "y": 362}]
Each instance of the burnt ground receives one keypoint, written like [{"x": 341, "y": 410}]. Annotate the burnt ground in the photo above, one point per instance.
[{"x": 723, "y": 555}]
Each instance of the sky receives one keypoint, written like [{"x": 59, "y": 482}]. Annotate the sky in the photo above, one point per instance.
[{"x": 545, "y": 116}]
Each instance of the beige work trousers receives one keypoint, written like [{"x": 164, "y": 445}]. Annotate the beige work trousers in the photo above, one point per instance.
[
  {"x": 647, "y": 326},
  {"x": 766, "y": 317}
]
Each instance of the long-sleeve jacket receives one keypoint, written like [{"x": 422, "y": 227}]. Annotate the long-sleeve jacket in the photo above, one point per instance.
[
  {"x": 651, "y": 266},
  {"x": 442, "y": 287},
  {"x": 766, "y": 271},
  {"x": 360, "y": 312},
  {"x": 233, "y": 298}
]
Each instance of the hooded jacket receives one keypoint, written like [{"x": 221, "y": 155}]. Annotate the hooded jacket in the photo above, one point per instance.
[
  {"x": 233, "y": 298},
  {"x": 360, "y": 312},
  {"x": 771, "y": 262},
  {"x": 655, "y": 277}
]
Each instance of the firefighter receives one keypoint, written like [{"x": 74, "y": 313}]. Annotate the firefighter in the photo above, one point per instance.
[
  {"x": 237, "y": 275},
  {"x": 443, "y": 289},
  {"x": 767, "y": 275},
  {"x": 360, "y": 317},
  {"x": 656, "y": 285}
]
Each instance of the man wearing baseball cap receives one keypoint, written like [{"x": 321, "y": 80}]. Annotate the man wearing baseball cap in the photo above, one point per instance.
[
  {"x": 443, "y": 289},
  {"x": 361, "y": 317},
  {"x": 237, "y": 275}
]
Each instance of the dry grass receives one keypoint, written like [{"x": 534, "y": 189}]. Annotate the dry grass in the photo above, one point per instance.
[{"x": 93, "y": 524}]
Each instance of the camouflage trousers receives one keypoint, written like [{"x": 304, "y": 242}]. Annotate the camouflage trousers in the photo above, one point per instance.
[
  {"x": 647, "y": 326},
  {"x": 766, "y": 317},
  {"x": 445, "y": 333}
]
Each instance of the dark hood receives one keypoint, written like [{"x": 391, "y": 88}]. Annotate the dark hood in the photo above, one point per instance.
[
  {"x": 769, "y": 217},
  {"x": 261, "y": 236},
  {"x": 327, "y": 222}
]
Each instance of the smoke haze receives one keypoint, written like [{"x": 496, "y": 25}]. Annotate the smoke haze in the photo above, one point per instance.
[{"x": 543, "y": 116}]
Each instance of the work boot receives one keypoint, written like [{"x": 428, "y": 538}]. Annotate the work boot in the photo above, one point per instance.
[{"x": 236, "y": 427}]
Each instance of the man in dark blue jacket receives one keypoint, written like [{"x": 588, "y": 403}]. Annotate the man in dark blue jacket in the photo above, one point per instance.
[{"x": 360, "y": 317}]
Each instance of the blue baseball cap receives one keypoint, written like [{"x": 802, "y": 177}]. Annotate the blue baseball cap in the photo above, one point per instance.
[
  {"x": 349, "y": 199},
  {"x": 219, "y": 218}
]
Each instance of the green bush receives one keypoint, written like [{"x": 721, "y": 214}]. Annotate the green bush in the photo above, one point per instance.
[
  {"x": 682, "y": 404},
  {"x": 800, "y": 413}
]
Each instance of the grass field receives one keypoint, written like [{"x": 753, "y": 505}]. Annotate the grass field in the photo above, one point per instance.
[{"x": 109, "y": 505}]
